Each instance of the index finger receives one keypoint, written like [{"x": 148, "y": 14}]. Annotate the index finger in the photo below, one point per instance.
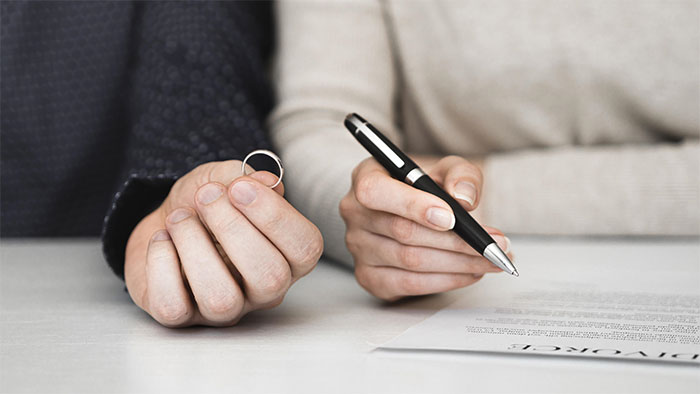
[
  {"x": 376, "y": 190},
  {"x": 294, "y": 235}
]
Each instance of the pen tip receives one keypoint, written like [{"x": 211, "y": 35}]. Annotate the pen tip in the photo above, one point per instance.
[{"x": 495, "y": 255}]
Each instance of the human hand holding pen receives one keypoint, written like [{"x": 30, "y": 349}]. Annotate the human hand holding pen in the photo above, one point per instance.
[{"x": 399, "y": 236}]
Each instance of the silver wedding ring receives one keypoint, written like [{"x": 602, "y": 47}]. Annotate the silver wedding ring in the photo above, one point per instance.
[{"x": 269, "y": 154}]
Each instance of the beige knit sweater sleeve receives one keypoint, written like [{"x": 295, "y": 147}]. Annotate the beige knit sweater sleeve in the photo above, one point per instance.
[
  {"x": 325, "y": 68},
  {"x": 624, "y": 190},
  {"x": 335, "y": 57}
]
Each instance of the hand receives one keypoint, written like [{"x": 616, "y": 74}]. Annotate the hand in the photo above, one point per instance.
[
  {"x": 220, "y": 246},
  {"x": 398, "y": 235}
]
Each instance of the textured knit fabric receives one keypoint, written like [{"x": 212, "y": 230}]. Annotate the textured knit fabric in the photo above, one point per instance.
[
  {"x": 587, "y": 112},
  {"x": 106, "y": 104}
]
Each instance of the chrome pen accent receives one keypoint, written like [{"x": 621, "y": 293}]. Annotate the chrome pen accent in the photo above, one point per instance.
[
  {"x": 414, "y": 175},
  {"x": 495, "y": 255}
]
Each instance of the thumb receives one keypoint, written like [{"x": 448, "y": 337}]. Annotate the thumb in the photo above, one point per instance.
[
  {"x": 224, "y": 172},
  {"x": 460, "y": 178},
  {"x": 182, "y": 192}
]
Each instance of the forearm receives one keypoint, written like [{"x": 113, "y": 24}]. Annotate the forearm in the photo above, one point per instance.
[
  {"x": 171, "y": 127},
  {"x": 325, "y": 68},
  {"x": 622, "y": 190}
]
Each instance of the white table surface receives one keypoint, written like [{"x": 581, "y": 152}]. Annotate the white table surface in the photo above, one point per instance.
[{"x": 68, "y": 326}]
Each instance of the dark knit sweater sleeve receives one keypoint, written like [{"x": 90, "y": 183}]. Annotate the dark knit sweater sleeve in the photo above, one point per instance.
[{"x": 197, "y": 94}]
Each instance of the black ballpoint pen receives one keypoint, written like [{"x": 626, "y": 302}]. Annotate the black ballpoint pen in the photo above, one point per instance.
[{"x": 404, "y": 169}]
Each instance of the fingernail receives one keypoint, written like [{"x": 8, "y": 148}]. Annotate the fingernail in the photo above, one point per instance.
[
  {"x": 179, "y": 215},
  {"x": 441, "y": 218},
  {"x": 465, "y": 191},
  {"x": 503, "y": 242},
  {"x": 243, "y": 193},
  {"x": 161, "y": 235},
  {"x": 209, "y": 193}
]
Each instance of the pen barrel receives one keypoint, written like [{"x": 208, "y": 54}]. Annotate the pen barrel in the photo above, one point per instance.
[{"x": 465, "y": 226}]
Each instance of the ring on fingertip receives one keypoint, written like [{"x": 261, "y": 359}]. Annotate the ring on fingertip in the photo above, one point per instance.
[{"x": 269, "y": 154}]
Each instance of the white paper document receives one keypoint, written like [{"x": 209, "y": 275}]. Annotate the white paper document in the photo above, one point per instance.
[{"x": 582, "y": 319}]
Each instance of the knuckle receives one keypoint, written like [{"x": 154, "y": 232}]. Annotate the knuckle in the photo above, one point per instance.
[
  {"x": 361, "y": 167},
  {"x": 312, "y": 251},
  {"x": 466, "y": 167},
  {"x": 204, "y": 167},
  {"x": 412, "y": 206},
  {"x": 179, "y": 185},
  {"x": 275, "y": 218},
  {"x": 200, "y": 174},
  {"x": 226, "y": 225},
  {"x": 224, "y": 170},
  {"x": 402, "y": 230},
  {"x": 274, "y": 283},
  {"x": 474, "y": 174},
  {"x": 156, "y": 255},
  {"x": 362, "y": 277},
  {"x": 272, "y": 304},
  {"x": 222, "y": 305},
  {"x": 346, "y": 207},
  {"x": 351, "y": 241},
  {"x": 390, "y": 298},
  {"x": 364, "y": 190},
  {"x": 410, "y": 258},
  {"x": 410, "y": 284},
  {"x": 170, "y": 313}
]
